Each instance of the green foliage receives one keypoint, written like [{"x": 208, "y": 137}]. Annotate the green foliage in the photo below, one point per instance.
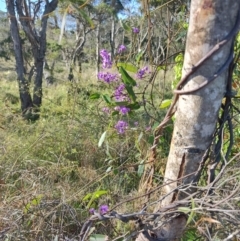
[
  {"x": 177, "y": 70},
  {"x": 191, "y": 235},
  {"x": 93, "y": 197},
  {"x": 126, "y": 78},
  {"x": 98, "y": 237},
  {"x": 33, "y": 203},
  {"x": 165, "y": 104},
  {"x": 5, "y": 52},
  {"x": 101, "y": 140},
  {"x": 128, "y": 67}
]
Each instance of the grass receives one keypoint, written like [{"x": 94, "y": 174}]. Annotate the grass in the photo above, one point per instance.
[
  {"x": 48, "y": 168},
  {"x": 53, "y": 171}
]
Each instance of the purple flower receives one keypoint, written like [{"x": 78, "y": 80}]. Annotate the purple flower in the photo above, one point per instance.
[
  {"x": 142, "y": 72},
  {"x": 135, "y": 30},
  {"x": 106, "y": 59},
  {"x": 122, "y": 109},
  {"x": 136, "y": 123},
  {"x": 121, "y": 126},
  {"x": 121, "y": 49},
  {"x": 107, "y": 77},
  {"x": 119, "y": 93},
  {"x": 91, "y": 210},
  {"x": 103, "y": 209},
  {"x": 106, "y": 110}
]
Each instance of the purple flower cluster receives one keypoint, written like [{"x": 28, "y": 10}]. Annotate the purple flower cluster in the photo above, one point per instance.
[
  {"x": 135, "y": 30},
  {"x": 121, "y": 49},
  {"x": 142, "y": 72},
  {"x": 91, "y": 210},
  {"x": 119, "y": 93},
  {"x": 106, "y": 59},
  {"x": 122, "y": 109},
  {"x": 121, "y": 126},
  {"x": 103, "y": 209},
  {"x": 106, "y": 110},
  {"x": 107, "y": 77}
]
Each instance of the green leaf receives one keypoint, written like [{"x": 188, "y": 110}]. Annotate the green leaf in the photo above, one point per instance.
[
  {"x": 98, "y": 237},
  {"x": 121, "y": 103},
  {"x": 127, "y": 79},
  {"x": 95, "y": 96},
  {"x": 184, "y": 209},
  {"x": 139, "y": 56},
  {"x": 134, "y": 106},
  {"x": 191, "y": 215},
  {"x": 151, "y": 139},
  {"x": 125, "y": 26},
  {"x": 179, "y": 58},
  {"x": 107, "y": 98},
  {"x": 115, "y": 113},
  {"x": 98, "y": 194},
  {"x": 27, "y": 207},
  {"x": 131, "y": 92},
  {"x": 86, "y": 17},
  {"x": 128, "y": 67},
  {"x": 102, "y": 138},
  {"x": 87, "y": 197},
  {"x": 165, "y": 104},
  {"x": 109, "y": 169},
  {"x": 94, "y": 196},
  {"x": 36, "y": 201},
  {"x": 140, "y": 168},
  {"x": 162, "y": 67}
]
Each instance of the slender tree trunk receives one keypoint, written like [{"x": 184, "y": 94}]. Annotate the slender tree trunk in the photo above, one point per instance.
[
  {"x": 211, "y": 21},
  {"x": 39, "y": 60},
  {"x": 25, "y": 97},
  {"x": 38, "y": 44},
  {"x": 97, "y": 48},
  {"x": 112, "y": 37}
]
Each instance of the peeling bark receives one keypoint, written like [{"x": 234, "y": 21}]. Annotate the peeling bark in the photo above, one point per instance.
[{"x": 197, "y": 113}]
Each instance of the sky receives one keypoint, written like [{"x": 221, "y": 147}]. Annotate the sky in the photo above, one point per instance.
[
  {"x": 3, "y": 5},
  {"x": 133, "y": 5}
]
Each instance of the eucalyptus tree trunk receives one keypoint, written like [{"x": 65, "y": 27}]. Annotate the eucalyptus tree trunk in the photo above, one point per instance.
[
  {"x": 200, "y": 99},
  {"x": 37, "y": 38},
  {"x": 25, "y": 97},
  {"x": 17, "y": 9},
  {"x": 197, "y": 112}
]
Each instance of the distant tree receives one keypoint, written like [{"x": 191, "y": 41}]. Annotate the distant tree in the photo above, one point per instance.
[
  {"x": 33, "y": 21},
  {"x": 79, "y": 11}
]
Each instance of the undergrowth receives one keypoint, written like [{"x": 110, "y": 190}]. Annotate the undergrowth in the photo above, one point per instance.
[{"x": 54, "y": 170}]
